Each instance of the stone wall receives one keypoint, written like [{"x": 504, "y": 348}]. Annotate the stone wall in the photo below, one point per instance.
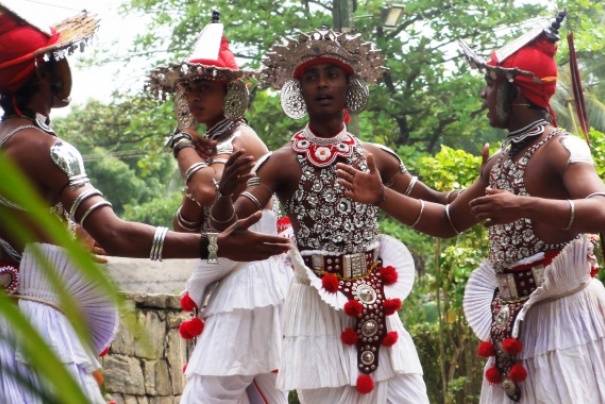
[{"x": 148, "y": 369}]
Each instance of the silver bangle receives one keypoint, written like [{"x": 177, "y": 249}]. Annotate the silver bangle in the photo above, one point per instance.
[
  {"x": 449, "y": 218},
  {"x": 411, "y": 185},
  {"x": 212, "y": 248},
  {"x": 157, "y": 245},
  {"x": 571, "y": 216},
  {"x": 253, "y": 181},
  {"x": 92, "y": 209},
  {"x": 253, "y": 199},
  {"x": 186, "y": 224},
  {"x": 219, "y": 161},
  {"x": 222, "y": 221},
  {"x": 78, "y": 201},
  {"x": 419, "y": 214},
  {"x": 193, "y": 169}
]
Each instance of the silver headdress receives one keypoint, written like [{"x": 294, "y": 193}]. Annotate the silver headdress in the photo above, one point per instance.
[
  {"x": 284, "y": 65},
  {"x": 282, "y": 62}
]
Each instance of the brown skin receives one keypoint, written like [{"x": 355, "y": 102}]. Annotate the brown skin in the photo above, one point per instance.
[
  {"x": 29, "y": 149},
  {"x": 205, "y": 101},
  {"x": 548, "y": 178},
  {"x": 324, "y": 89}
]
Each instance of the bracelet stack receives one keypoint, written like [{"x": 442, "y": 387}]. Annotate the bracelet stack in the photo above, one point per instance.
[{"x": 157, "y": 245}]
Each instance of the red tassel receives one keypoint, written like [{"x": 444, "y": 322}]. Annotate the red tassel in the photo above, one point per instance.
[
  {"x": 353, "y": 308},
  {"x": 389, "y": 275},
  {"x": 512, "y": 345},
  {"x": 485, "y": 349},
  {"x": 184, "y": 368},
  {"x": 391, "y": 306},
  {"x": 365, "y": 384},
  {"x": 192, "y": 328},
  {"x": 275, "y": 371},
  {"x": 517, "y": 373},
  {"x": 493, "y": 375},
  {"x": 187, "y": 303},
  {"x": 390, "y": 339},
  {"x": 105, "y": 351},
  {"x": 594, "y": 271},
  {"x": 330, "y": 283},
  {"x": 349, "y": 336}
]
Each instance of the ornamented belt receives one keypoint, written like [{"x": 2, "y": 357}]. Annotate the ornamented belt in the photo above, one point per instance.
[
  {"x": 517, "y": 283},
  {"x": 344, "y": 266}
]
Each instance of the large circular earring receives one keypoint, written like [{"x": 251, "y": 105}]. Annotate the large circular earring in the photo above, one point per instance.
[
  {"x": 183, "y": 116},
  {"x": 235, "y": 102},
  {"x": 292, "y": 101},
  {"x": 357, "y": 95}
]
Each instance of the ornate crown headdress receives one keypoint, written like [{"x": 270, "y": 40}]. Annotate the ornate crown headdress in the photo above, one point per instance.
[
  {"x": 282, "y": 62},
  {"x": 211, "y": 59}
]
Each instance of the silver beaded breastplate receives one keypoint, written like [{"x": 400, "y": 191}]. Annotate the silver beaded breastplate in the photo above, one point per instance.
[
  {"x": 328, "y": 220},
  {"x": 512, "y": 242}
]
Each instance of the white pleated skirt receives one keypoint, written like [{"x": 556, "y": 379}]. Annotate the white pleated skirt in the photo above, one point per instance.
[
  {"x": 99, "y": 314},
  {"x": 314, "y": 357},
  {"x": 562, "y": 327},
  {"x": 243, "y": 315}
]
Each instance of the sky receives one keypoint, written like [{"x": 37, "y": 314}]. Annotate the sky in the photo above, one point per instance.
[{"x": 116, "y": 33}]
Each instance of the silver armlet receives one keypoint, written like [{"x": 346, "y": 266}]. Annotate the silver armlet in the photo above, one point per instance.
[
  {"x": 81, "y": 198},
  {"x": 449, "y": 219},
  {"x": 595, "y": 194},
  {"x": 69, "y": 160},
  {"x": 572, "y": 214},
  {"x": 92, "y": 209},
  {"x": 195, "y": 167},
  {"x": 157, "y": 245},
  {"x": 253, "y": 199},
  {"x": 413, "y": 182},
  {"x": 219, "y": 161},
  {"x": 419, "y": 214},
  {"x": 225, "y": 147}
]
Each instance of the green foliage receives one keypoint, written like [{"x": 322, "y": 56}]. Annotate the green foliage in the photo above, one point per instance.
[{"x": 158, "y": 211}]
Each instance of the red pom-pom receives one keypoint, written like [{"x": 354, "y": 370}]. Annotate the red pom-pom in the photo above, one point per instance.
[
  {"x": 493, "y": 375},
  {"x": 485, "y": 349},
  {"x": 104, "y": 352},
  {"x": 283, "y": 223},
  {"x": 365, "y": 384},
  {"x": 349, "y": 336},
  {"x": 594, "y": 271},
  {"x": 391, "y": 306},
  {"x": 517, "y": 373},
  {"x": 330, "y": 283},
  {"x": 192, "y": 328},
  {"x": 353, "y": 308},
  {"x": 184, "y": 368},
  {"x": 512, "y": 345},
  {"x": 346, "y": 115},
  {"x": 275, "y": 371},
  {"x": 187, "y": 303},
  {"x": 390, "y": 339},
  {"x": 389, "y": 275}
]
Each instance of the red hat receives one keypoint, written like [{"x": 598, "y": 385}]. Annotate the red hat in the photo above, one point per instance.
[
  {"x": 211, "y": 59},
  {"x": 536, "y": 57},
  {"x": 22, "y": 41}
]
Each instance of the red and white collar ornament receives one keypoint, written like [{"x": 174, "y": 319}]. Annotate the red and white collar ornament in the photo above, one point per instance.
[{"x": 321, "y": 152}]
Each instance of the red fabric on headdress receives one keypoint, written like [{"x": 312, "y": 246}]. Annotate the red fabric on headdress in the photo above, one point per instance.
[
  {"x": 225, "y": 58},
  {"x": 536, "y": 57},
  {"x": 18, "y": 43},
  {"x": 318, "y": 61}
]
